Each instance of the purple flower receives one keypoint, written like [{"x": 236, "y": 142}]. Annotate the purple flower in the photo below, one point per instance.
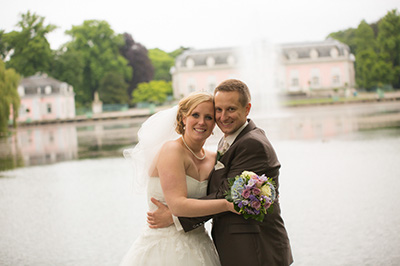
[
  {"x": 249, "y": 211},
  {"x": 253, "y": 198},
  {"x": 263, "y": 178}
]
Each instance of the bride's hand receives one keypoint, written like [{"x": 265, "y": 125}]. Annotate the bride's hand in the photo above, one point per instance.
[{"x": 231, "y": 207}]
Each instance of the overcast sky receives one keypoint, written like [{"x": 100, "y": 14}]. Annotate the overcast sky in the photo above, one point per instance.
[{"x": 203, "y": 24}]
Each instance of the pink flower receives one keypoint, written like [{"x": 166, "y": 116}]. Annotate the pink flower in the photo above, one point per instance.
[
  {"x": 259, "y": 183},
  {"x": 256, "y": 204},
  {"x": 246, "y": 193},
  {"x": 253, "y": 176},
  {"x": 256, "y": 191}
]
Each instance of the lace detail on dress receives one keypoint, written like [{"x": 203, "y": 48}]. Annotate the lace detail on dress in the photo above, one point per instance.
[{"x": 167, "y": 246}]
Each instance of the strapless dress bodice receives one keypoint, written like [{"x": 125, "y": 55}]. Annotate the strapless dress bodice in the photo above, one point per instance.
[{"x": 195, "y": 189}]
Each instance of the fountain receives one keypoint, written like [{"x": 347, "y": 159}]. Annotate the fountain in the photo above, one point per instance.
[{"x": 261, "y": 71}]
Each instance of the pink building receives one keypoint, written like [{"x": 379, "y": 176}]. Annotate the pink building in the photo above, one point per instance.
[
  {"x": 318, "y": 67},
  {"x": 45, "y": 98},
  {"x": 196, "y": 70},
  {"x": 311, "y": 68}
]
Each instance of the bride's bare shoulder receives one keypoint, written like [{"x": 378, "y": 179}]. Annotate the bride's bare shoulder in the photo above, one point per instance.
[
  {"x": 171, "y": 146},
  {"x": 211, "y": 153}
]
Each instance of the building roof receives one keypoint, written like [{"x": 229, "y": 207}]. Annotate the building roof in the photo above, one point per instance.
[
  {"x": 37, "y": 84},
  {"x": 323, "y": 49},
  {"x": 303, "y": 50},
  {"x": 199, "y": 56}
]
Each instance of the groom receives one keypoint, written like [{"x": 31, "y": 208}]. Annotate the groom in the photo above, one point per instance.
[{"x": 244, "y": 147}]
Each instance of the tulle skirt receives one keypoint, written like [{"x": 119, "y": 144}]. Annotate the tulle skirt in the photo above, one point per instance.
[{"x": 169, "y": 247}]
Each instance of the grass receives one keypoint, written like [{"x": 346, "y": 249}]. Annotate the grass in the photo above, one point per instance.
[{"x": 316, "y": 101}]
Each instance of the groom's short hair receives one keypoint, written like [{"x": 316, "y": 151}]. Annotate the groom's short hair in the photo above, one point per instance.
[{"x": 235, "y": 85}]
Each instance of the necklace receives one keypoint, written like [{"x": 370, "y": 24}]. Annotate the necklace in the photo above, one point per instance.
[{"x": 200, "y": 158}]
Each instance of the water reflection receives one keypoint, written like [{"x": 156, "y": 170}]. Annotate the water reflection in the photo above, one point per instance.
[
  {"x": 326, "y": 122},
  {"x": 48, "y": 144}
]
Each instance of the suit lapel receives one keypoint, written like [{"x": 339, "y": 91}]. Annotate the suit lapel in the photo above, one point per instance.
[
  {"x": 215, "y": 175},
  {"x": 250, "y": 126}
]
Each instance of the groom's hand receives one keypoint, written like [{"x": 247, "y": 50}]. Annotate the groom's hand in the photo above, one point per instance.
[{"x": 161, "y": 217}]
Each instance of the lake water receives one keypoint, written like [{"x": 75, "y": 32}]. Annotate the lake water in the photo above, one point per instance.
[{"x": 339, "y": 189}]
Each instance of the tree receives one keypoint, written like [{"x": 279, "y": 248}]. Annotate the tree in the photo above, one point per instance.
[
  {"x": 137, "y": 57},
  {"x": 99, "y": 48},
  {"x": 364, "y": 38},
  {"x": 3, "y": 45},
  {"x": 162, "y": 63},
  {"x": 155, "y": 91},
  {"x": 28, "y": 50},
  {"x": 377, "y": 50},
  {"x": 178, "y": 52},
  {"x": 347, "y": 37},
  {"x": 9, "y": 97},
  {"x": 389, "y": 42},
  {"x": 366, "y": 56},
  {"x": 68, "y": 66},
  {"x": 113, "y": 89},
  {"x": 365, "y": 77},
  {"x": 372, "y": 71}
]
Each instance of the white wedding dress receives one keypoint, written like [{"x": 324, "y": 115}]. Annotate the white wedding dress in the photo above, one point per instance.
[{"x": 168, "y": 246}]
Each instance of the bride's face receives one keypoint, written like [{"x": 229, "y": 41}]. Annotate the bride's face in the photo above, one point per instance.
[{"x": 200, "y": 123}]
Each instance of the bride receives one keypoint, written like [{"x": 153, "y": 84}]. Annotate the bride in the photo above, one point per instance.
[{"x": 177, "y": 176}]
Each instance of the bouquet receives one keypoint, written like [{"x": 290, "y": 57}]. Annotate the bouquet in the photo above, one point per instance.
[{"x": 252, "y": 195}]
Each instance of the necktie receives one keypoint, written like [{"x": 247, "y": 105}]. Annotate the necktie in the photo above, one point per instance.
[{"x": 224, "y": 147}]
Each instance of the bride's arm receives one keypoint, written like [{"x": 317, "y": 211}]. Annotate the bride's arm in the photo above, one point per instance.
[{"x": 171, "y": 170}]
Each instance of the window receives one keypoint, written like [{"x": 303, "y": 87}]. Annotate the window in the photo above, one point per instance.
[
  {"x": 315, "y": 81},
  {"x": 210, "y": 61},
  {"x": 336, "y": 80},
  {"x": 334, "y": 53},
  {"x": 189, "y": 63},
  {"x": 22, "y": 110},
  {"x": 293, "y": 55},
  {"x": 315, "y": 78},
  {"x": 335, "y": 74},
  {"x": 230, "y": 60},
  {"x": 314, "y": 54},
  {"x": 294, "y": 79},
  {"x": 21, "y": 91},
  {"x": 191, "y": 85},
  {"x": 47, "y": 90},
  {"x": 48, "y": 106}
]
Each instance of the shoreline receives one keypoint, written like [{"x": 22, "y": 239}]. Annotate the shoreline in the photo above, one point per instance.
[{"x": 146, "y": 112}]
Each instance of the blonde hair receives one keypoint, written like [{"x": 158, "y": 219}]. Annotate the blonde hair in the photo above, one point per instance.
[{"x": 186, "y": 106}]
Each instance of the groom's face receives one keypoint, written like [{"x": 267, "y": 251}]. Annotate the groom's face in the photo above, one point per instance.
[{"x": 230, "y": 115}]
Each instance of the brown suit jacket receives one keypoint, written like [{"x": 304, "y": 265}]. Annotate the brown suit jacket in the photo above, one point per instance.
[{"x": 240, "y": 241}]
